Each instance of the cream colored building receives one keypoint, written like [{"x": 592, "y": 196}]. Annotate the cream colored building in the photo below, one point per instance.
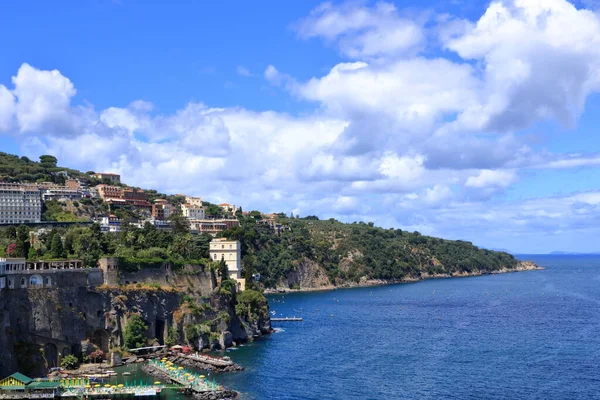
[
  {"x": 194, "y": 201},
  {"x": 231, "y": 252},
  {"x": 192, "y": 211},
  {"x": 20, "y": 203}
]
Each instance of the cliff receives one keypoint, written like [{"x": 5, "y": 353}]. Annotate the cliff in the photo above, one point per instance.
[
  {"x": 314, "y": 254},
  {"x": 40, "y": 326}
]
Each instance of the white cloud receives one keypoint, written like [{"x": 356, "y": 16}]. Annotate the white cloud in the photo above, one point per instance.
[
  {"x": 243, "y": 71},
  {"x": 360, "y": 31},
  {"x": 406, "y": 140},
  {"x": 489, "y": 178},
  {"x": 43, "y": 100}
]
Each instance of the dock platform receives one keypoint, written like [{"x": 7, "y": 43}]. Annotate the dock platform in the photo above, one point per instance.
[{"x": 286, "y": 319}]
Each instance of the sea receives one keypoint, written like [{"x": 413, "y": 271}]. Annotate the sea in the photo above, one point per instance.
[{"x": 524, "y": 335}]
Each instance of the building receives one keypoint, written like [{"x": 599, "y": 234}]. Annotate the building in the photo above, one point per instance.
[
  {"x": 74, "y": 184},
  {"x": 194, "y": 201},
  {"x": 20, "y": 203},
  {"x": 110, "y": 224},
  {"x": 19, "y": 386},
  {"x": 231, "y": 252},
  {"x": 112, "y": 178},
  {"x": 133, "y": 194},
  {"x": 193, "y": 210},
  {"x": 228, "y": 208},
  {"x": 212, "y": 226},
  {"x": 162, "y": 209},
  {"x": 62, "y": 193},
  {"x": 20, "y": 274},
  {"x": 109, "y": 192}
]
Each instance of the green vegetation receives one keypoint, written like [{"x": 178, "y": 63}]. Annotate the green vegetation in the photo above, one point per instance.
[
  {"x": 348, "y": 252},
  {"x": 172, "y": 336},
  {"x": 134, "y": 334},
  {"x": 252, "y": 304},
  {"x": 70, "y": 362},
  {"x": 22, "y": 169}
]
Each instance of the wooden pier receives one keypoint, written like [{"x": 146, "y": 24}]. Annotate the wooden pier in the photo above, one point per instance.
[{"x": 286, "y": 319}]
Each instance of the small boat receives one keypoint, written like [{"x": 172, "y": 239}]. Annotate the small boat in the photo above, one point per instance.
[{"x": 126, "y": 373}]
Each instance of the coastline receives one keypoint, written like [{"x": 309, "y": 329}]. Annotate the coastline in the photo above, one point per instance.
[{"x": 522, "y": 266}]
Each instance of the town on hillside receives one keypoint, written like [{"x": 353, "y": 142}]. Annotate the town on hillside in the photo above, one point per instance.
[{"x": 71, "y": 198}]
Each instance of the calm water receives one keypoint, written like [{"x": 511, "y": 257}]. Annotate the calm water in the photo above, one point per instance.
[{"x": 533, "y": 335}]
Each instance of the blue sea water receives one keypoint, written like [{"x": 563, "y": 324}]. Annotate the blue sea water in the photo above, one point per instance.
[{"x": 527, "y": 335}]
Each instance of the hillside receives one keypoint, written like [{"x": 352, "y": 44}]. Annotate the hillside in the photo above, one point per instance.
[
  {"x": 328, "y": 253},
  {"x": 308, "y": 253}
]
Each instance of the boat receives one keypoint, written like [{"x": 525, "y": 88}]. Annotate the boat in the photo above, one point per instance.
[{"x": 126, "y": 373}]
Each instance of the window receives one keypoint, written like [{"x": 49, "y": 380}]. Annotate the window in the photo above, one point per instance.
[
  {"x": 48, "y": 281},
  {"x": 23, "y": 282}
]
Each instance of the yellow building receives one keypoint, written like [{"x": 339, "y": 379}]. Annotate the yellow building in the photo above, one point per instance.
[{"x": 231, "y": 252}]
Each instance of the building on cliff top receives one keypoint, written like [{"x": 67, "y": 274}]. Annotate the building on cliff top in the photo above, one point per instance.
[
  {"x": 17, "y": 273},
  {"x": 112, "y": 178},
  {"x": 20, "y": 203},
  {"x": 231, "y": 252}
]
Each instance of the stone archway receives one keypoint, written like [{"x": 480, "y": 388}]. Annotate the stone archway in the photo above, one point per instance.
[
  {"x": 101, "y": 338},
  {"x": 51, "y": 355}
]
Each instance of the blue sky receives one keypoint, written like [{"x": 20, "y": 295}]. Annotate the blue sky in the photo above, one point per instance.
[{"x": 467, "y": 120}]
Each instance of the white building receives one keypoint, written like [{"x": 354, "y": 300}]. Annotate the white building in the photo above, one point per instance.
[
  {"x": 231, "y": 252},
  {"x": 20, "y": 203},
  {"x": 10, "y": 266},
  {"x": 62, "y": 193},
  {"x": 194, "y": 201},
  {"x": 192, "y": 211}
]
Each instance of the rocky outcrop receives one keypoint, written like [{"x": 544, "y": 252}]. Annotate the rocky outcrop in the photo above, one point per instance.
[
  {"x": 306, "y": 273},
  {"x": 366, "y": 281},
  {"x": 40, "y": 326}
]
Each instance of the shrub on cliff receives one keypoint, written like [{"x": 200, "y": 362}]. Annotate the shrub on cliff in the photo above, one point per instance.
[
  {"x": 251, "y": 304},
  {"x": 134, "y": 334},
  {"x": 70, "y": 362}
]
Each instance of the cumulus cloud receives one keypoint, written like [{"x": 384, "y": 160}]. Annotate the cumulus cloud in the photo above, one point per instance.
[
  {"x": 398, "y": 136},
  {"x": 361, "y": 31},
  {"x": 489, "y": 178}
]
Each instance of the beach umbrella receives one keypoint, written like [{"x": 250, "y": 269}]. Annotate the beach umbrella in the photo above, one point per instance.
[
  {"x": 87, "y": 386},
  {"x": 201, "y": 376},
  {"x": 157, "y": 383},
  {"x": 180, "y": 368},
  {"x": 96, "y": 385},
  {"x": 107, "y": 385},
  {"x": 120, "y": 385}
]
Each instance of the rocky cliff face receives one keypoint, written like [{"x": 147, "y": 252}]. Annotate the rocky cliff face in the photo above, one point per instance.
[
  {"x": 39, "y": 326},
  {"x": 309, "y": 275}
]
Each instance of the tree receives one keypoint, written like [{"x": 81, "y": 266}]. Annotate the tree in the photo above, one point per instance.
[
  {"x": 96, "y": 355},
  {"x": 69, "y": 362},
  {"x": 22, "y": 242},
  {"x": 48, "y": 161},
  {"x": 11, "y": 250},
  {"x": 178, "y": 222},
  {"x": 134, "y": 334},
  {"x": 56, "y": 247},
  {"x": 11, "y": 232},
  {"x": 172, "y": 337},
  {"x": 223, "y": 270}
]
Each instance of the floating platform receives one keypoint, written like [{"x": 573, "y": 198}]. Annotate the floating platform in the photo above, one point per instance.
[{"x": 286, "y": 319}]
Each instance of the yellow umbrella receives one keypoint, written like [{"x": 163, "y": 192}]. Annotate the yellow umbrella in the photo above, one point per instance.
[
  {"x": 157, "y": 383},
  {"x": 201, "y": 376},
  {"x": 107, "y": 385},
  {"x": 87, "y": 386},
  {"x": 180, "y": 368},
  {"x": 120, "y": 385},
  {"x": 96, "y": 385}
]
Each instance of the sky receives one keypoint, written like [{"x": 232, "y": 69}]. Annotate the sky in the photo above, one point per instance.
[{"x": 460, "y": 119}]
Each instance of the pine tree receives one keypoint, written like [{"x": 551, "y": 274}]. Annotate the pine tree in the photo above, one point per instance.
[
  {"x": 22, "y": 242},
  {"x": 134, "y": 334},
  {"x": 56, "y": 247},
  {"x": 223, "y": 271}
]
